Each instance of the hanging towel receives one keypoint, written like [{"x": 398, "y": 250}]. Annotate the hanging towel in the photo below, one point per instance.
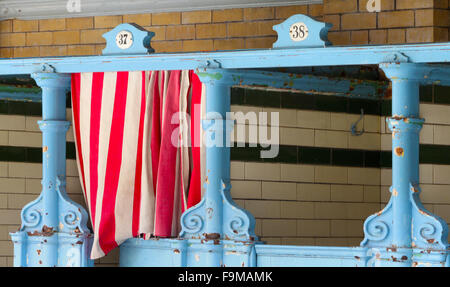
[{"x": 135, "y": 167}]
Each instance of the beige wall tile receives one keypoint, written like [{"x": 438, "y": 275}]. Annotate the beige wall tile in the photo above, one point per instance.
[
  {"x": 26, "y": 139},
  {"x": 297, "y": 172},
  {"x": 296, "y": 137},
  {"x": 246, "y": 189},
  {"x": 347, "y": 193},
  {"x": 319, "y": 228},
  {"x": 313, "y": 119},
  {"x": 435, "y": 193},
  {"x": 371, "y": 193},
  {"x": 263, "y": 208},
  {"x": 279, "y": 190},
  {"x": 324, "y": 138},
  {"x": 441, "y": 134},
  {"x": 370, "y": 141},
  {"x": 18, "y": 201},
  {"x": 262, "y": 171},
  {"x": 358, "y": 175},
  {"x": 441, "y": 174},
  {"x": 295, "y": 209},
  {"x": 330, "y": 174},
  {"x": 313, "y": 192},
  {"x": 25, "y": 170},
  {"x": 426, "y": 135},
  {"x": 237, "y": 170},
  {"x": 279, "y": 227},
  {"x": 12, "y": 122},
  {"x": 347, "y": 228},
  {"x": 12, "y": 185}
]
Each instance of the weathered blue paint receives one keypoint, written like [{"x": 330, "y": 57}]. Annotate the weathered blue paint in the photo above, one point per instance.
[
  {"x": 242, "y": 59},
  {"x": 316, "y": 33},
  {"x": 310, "y": 84},
  {"x": 140, "y": 41},
  {"x": 53, "y": 230},
  {"x": 404, "y": 233}
]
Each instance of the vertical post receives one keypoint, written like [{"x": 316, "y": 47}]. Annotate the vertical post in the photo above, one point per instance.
[
  {"x": 404, "y": 228},
  {"x": 53, "y": 231},
  {"x": 216, "y": 220},
  {"x": 54, "y": 128}
]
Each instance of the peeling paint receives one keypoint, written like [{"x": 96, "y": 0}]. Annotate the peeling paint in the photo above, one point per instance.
[{"x": 399, "y": 151}]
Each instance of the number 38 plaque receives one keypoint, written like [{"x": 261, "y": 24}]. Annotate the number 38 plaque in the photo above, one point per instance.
[{"x": 298, "y": 32}]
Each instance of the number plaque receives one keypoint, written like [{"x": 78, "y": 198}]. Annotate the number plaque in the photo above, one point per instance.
[
  {"x": 298, "y": 32},
  {"x": 128, "y": 39},
  {"x": 124, "y": 39},
  {"x": 301, "y": 31}
]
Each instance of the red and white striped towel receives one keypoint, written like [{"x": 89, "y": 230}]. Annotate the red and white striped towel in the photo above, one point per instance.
[{"x": 135, "y": 180}]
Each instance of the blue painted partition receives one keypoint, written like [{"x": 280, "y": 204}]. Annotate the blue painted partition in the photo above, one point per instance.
[{"x": 216, "y": 232}]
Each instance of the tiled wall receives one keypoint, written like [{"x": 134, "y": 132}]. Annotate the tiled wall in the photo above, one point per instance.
[{"x": 317, "y": 191}]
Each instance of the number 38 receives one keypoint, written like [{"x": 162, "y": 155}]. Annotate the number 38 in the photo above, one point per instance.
[{"x": 298, "y": 32}]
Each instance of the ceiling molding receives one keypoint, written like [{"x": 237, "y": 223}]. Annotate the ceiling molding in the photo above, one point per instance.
[{"x": 45, "y": 9}]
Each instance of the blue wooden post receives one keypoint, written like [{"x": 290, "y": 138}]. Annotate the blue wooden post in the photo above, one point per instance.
[
  {"x": 404, "y": 233},
  {"x": 53, "y": 231},
  {"x": 220, "y": 227}
]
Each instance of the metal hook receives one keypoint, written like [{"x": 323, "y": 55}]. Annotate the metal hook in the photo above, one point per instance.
[{"x": 353, "y": 128}]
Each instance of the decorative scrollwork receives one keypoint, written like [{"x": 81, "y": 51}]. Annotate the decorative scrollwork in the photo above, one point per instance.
[
  {"x": 31, "y": 218},
  {"x": 236, "y": 225},
  {"x": 192, "y": 224},
  {"x": 429, "y": 230},
  {"x": 71, "y": 219},
  {"x": 377, "y": 227},
  {"x": 377, "y": 230},
  {"x": 31, "y": 215},
  {"x": 239, "y": 223}
]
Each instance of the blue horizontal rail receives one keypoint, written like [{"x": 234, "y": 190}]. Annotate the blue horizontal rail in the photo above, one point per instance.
[{"x": 238, "y": 59}]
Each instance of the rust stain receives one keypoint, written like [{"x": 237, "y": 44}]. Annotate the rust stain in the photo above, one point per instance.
[
  {"x": 177, "y": 251},
  {"x": 38, "y": 252},
  {"x": 431, "y": 241},
  {"x": 46, "y": 231},
  {"x": 212, "y": 236},
  {"x": 394, "y": 192},
  {"x": 415, "y": 264},
  {"x": 44, "y": 148},
  {"x": 399, "y": 151}
]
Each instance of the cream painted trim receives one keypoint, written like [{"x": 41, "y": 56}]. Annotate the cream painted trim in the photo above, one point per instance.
[{"x": 45, "y": 9}]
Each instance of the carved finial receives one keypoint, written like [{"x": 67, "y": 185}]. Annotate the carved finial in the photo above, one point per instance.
[
  {"x": 301, "y": 31},
  {"x": 128, "y": 39}
]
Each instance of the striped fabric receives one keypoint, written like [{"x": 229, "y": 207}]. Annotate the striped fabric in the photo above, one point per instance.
[{"x": 137, "y": 173}]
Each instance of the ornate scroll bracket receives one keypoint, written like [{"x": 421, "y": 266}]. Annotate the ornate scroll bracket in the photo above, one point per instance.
[
  {"x": 72, "y": 216},
  {"x": 429, "y": 231},
  {"x": 301, "y": 31},
  {"x": 377, "y": 227},
  {"x": 128, "y": 39},
  {"x": 238, "y": 224}
]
